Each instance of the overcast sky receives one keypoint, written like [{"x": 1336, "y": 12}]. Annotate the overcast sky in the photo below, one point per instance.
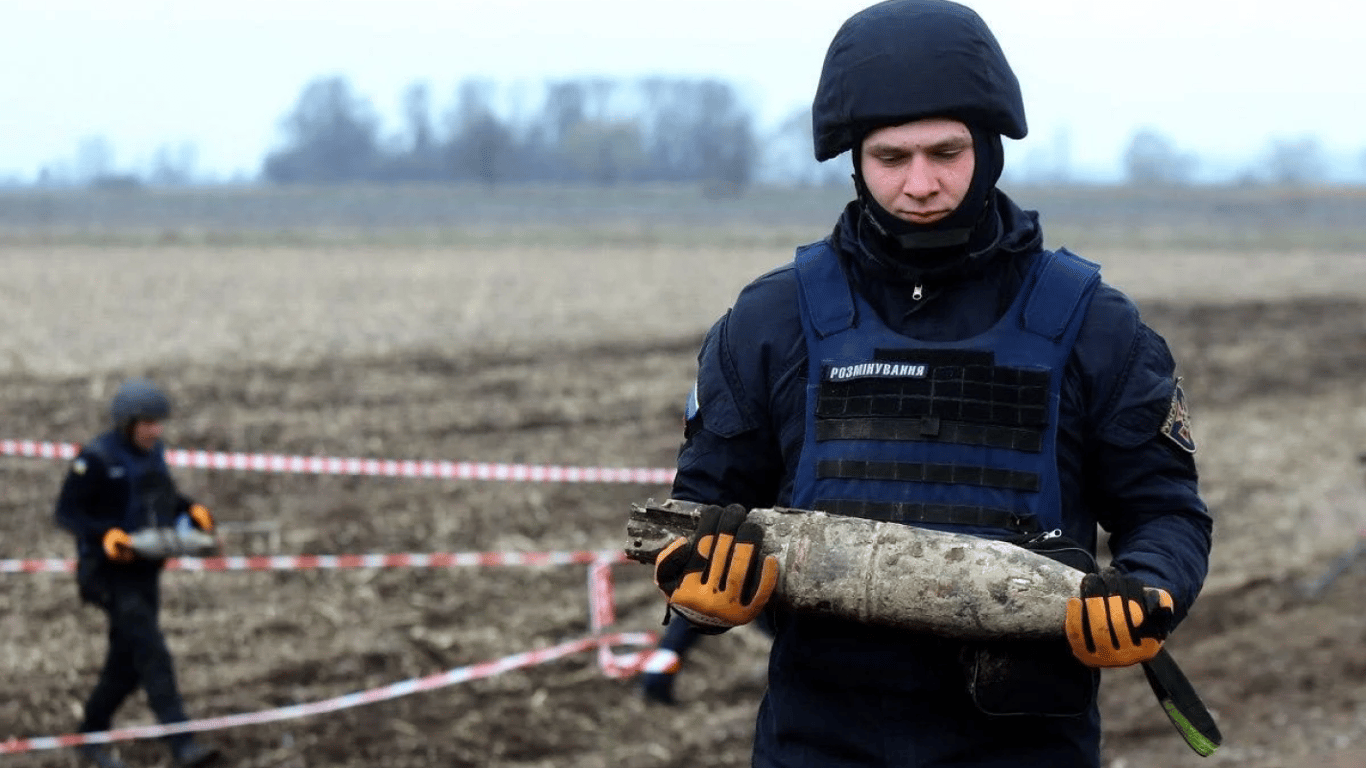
[{"x": 1220, "y": 77}]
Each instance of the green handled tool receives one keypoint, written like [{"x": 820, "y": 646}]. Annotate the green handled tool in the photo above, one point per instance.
[{"x": 1182, "y": 705}]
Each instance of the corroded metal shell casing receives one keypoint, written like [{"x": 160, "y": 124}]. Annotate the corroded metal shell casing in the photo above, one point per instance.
[
  {"x": 158, "y": 543},
  {"x": 889, "y": 574}
]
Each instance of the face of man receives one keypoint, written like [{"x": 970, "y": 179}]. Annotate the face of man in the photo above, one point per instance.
[
  {"x": 145, "y": 434},
  {"x": 919, "y": 171}
]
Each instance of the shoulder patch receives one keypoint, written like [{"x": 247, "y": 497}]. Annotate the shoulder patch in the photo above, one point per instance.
[
  {"x": 692, "y": 416},
  {"x": 78, "y": 466},
  {"x": 1177, "y": 427}
]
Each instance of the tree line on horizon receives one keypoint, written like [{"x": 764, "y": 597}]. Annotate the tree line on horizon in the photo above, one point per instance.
[
  {"x": 608, "y": 132},
  {"x": 594, "y": 131}
]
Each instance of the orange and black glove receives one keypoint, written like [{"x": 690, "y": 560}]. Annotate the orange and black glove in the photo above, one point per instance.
[
  {"x": 201, "y": 517},
  {"x": 118, "y": 545},
  {"x": 1117, "y": 621},
  {"x": 714, "y": 578}
]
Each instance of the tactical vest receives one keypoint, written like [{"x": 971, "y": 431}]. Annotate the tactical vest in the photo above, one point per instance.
[
  {"x": 955, "y": 435},
  {"x": 152, "y": 495}
]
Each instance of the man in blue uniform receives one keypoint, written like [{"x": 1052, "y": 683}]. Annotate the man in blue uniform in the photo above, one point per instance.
[
  {"x": 931, "y": 363},
  {"x": 117, "y": 485}
]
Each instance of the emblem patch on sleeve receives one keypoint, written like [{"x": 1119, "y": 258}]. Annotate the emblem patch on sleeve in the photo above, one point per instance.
[
  {"x": 692, "y": 417},
  {"x": 78, "y": 466},
  {"x": 1178, "y": 423}
]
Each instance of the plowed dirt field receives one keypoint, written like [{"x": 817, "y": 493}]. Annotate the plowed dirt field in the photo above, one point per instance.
[{"x": 582, "y": 356}]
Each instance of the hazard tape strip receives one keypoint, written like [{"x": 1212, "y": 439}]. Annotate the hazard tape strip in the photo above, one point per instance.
[
  {"x": 334, "y": 465},
  {"x": 601, "y": 610},
  {"x": 322, "y": 562},
  {"x": 601, "y": 615},
  {"x": 347, "y": 701}
]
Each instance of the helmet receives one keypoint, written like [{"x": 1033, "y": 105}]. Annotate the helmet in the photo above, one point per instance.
[
  {"x": 138, "y": 400},
  {"x": 903, "y": 60}
]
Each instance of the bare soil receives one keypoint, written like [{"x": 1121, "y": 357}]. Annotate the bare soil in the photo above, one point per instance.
[{"x": 1273, "y": 378}]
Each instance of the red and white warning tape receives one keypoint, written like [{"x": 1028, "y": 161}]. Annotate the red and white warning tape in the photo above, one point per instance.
[
  {"x": 393, "y": 691},
  {"x": 602, "y": 614},
  {"x": 325, "y": 562},
  {"x": 600, "y": 587},
  {"x": 334, "y": 465}
]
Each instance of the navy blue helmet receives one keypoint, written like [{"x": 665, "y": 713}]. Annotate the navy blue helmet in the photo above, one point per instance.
[
  {"x": 904, "y": 60},
  {"x": 138, "y": 400}
]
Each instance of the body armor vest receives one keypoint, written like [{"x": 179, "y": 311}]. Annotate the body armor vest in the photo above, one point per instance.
[
  {"x": 954, "y": 435},
  {"x": 152, "y": 496}
]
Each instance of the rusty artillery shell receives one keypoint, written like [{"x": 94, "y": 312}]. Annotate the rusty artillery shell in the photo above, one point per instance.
[
  {"x": 157, "y": 543},
  {"x": 890, "y": 574}
]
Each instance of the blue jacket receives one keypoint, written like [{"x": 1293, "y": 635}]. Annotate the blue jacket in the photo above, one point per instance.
[{"x": 847, "y": 694}]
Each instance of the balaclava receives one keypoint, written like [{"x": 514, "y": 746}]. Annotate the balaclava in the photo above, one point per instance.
[{"x": 916, "y": 250}]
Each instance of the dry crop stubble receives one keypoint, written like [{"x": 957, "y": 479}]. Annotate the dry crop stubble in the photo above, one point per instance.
[
  {"x": 1226, "y": 277},
  {"x": 79, "y": 309}
]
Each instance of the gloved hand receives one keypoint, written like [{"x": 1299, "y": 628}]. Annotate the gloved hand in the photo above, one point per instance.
[
  {"x": 118, "y": 545},
  {"x": 201, "y": 517},
  {"x": 1117, "y": 621},
  {"x": 713, "y": 578}
]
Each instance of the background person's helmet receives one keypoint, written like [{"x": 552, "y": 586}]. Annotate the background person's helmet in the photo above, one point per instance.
[
  {"x": 138, "y": 400},
  {"x": 904, "y": 60}
]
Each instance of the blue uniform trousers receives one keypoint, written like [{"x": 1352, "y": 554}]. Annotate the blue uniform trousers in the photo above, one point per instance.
[{"x": 137, "y": 656}]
